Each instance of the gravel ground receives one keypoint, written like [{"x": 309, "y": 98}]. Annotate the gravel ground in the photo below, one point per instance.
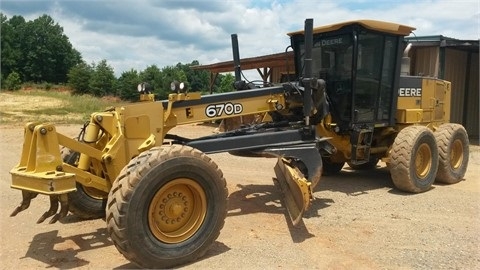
[{"x": 358, "y": 220}]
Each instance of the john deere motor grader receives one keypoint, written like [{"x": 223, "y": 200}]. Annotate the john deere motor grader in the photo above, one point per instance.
[{"x": 165, "y": 200}]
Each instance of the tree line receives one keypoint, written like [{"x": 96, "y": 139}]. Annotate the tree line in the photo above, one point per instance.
[{"x": 38, "y": 51}]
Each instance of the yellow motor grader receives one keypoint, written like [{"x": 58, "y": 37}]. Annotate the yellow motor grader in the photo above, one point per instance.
[{"x": 164, "y": 198}]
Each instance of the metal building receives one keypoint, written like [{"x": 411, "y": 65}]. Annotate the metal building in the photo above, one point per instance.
[{"x": 456, "y": 61}]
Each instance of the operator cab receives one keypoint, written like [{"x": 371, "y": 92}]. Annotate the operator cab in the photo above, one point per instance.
[{"x": 360, "y": 63}]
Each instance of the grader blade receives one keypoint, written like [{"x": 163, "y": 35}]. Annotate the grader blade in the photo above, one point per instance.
[{"x": 296, "y": 189}]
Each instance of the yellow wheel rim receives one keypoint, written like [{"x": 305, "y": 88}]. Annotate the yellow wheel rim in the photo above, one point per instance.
[
  {"x": 456, "y": 154},
  {"x": 423, "y": 161},
  {"x": 177, "y": 210}
]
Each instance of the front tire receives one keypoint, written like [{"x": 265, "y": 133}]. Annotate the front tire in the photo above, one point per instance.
[
  {"x": 414, "y": 159},
  {"x": 452, "y": 140},
  {"x": 331, "y": 168},
  {"x": 86, "y": 202},
  {"x": 167, "y": 207}
]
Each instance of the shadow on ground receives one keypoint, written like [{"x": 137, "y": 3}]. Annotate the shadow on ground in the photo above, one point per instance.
[
  {"x": 61, "y": 252},
  {"x": 356, "y": 182},
  {"x": 217, "y": 248}
]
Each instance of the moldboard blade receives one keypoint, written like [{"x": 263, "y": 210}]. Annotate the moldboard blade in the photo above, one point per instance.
[{"x": 296, "y": 189}]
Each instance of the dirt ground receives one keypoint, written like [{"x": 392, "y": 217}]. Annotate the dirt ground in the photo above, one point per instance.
[{"x": 358, "y": 221}]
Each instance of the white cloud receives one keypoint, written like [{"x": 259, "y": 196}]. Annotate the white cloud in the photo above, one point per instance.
[{"x": 135, "y": 34}]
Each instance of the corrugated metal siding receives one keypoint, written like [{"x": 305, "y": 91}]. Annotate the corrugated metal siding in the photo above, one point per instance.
[
  {"x": 455, "y": 72},
  {"x": 426, "y": 61},
  {"x": 472, "y": 124}
]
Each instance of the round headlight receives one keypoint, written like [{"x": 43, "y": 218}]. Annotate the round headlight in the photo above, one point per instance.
[
  {"x": 173, "y": 86},
  {"x": 140, "y": 87}
]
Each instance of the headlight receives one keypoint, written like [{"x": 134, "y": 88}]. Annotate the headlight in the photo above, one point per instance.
[
  {"x": 177, "y": 86},
  {"x": 173, "y": 86}
]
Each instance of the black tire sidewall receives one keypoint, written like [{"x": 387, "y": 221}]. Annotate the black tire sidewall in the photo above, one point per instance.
[
  {"x": 137, "y": 223},
  {"x": 426, "y": 137},
  {"x": 331, "y": 168},
  {"x": 454, "y": 175},
  {"x": 85, "y": 206},
  {"x": 81, "y": 204}
]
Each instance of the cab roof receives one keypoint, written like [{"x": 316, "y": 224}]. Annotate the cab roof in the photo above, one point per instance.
[{"x": 381, "y": 26}]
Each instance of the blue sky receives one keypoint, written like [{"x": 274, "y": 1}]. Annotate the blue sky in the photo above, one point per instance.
[{"x": 139, "y": 33}]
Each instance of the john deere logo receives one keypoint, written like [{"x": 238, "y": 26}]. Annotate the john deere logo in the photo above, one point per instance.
[
  {"x": 332, "y": 41},
  {"x": 409, "y": 92}
]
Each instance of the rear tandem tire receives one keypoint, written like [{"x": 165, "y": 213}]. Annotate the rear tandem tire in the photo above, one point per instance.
[
  {"x": 167, "y": 207},
  {"x": 453, "y": 149},
  {"x": 414, "y": 159}
]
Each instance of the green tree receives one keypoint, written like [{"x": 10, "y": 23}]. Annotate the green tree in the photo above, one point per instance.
[
  {"x": 198, "y": 80},
  {"x": 38, "y": 50},
  {"x": 226, "y": 83},
  {"x": 79, "y": 78},
  {"x": 11, "y": 55},
  {"x": 153, "y": 76},
  {"x": 127, "y": 85},
  {"x": 13, "y": 81},
  {"x": 49, "y": 53},
  {"x": 170, "y": 74},
  {"x": 103, "y": 80}
]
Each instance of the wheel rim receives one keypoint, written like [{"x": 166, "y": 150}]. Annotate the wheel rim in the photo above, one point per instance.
[
  {"x": 177, "y": 210},
  {"x": 456, "y": 154},
  {"x": 423, "y": 161}
]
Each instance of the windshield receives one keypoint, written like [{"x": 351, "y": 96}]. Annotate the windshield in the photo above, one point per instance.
[
  {"x": 331, "y": 57},
  {"x": 359, "y": 75}
]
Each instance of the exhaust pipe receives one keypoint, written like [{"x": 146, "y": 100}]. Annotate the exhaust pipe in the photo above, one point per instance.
[
  {"x": 405, "y": 68},
  {"x": 236, "y": 58},
  {"x": 307, "y": 80}
]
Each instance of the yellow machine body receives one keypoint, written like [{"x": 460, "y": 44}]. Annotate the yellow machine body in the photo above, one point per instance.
[
  {"x": 112, "y": 139},
  {"x": 428, "y": 104},
  {"x": 349, "y": 105}
]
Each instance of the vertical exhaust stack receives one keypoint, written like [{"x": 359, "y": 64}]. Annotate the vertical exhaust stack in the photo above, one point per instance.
[
  {"x": 405, "y": 68},
  {"x": 307, "y": 80},
  {"x": 236, "y": 58}
]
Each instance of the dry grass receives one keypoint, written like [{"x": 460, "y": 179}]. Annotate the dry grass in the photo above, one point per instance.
[{"x": 49, "y": 106}]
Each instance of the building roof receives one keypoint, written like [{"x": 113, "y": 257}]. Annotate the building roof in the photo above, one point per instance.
[
  {"x": 442, "y": 41},
  {"x": 387, "y": 27},
  {"x": 271, "y": 60}
]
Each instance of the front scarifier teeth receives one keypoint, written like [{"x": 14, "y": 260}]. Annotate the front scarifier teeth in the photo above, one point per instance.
[
  {"x": 27, "y": 197},
  {"x": 63, "y": 198},
  {"x": 52, "y": 210}
]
